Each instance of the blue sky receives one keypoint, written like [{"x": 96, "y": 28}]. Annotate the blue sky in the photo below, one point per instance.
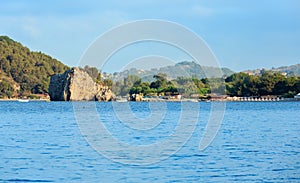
[{"x": 242, "y": 34}]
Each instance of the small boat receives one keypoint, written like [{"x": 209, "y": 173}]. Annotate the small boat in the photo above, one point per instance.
[
  {"x": 297, "y": 97},
  {"x": 23, "y": 100},
  {"x": 121, "y": 100}
]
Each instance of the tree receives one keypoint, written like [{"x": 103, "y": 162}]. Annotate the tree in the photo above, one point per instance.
[
  {"x": 108, "y": 82},
  {"x": 38, "y": 89},
  {"x": 6, "y": 90},
  {"x": 266, "y": 84},
  {"x": 161, "y": 81},
  {"x": 127, "y": 83},
  {"x": 93, "y": 72},
  {"x": 241, "y": 84}
]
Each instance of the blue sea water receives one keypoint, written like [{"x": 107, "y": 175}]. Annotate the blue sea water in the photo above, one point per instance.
[{"x": 257, "y": 142}]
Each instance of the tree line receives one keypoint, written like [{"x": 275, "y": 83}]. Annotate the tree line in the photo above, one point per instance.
[
  {"x": 238, "y": 84},
  {"x": 269, "y": 83}
]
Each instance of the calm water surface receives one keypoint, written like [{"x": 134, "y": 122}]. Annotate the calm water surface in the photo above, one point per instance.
[{"x": 257, "y": 142}]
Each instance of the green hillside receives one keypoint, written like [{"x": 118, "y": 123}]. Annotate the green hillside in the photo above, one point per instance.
[{"x": 24, "y": 72}]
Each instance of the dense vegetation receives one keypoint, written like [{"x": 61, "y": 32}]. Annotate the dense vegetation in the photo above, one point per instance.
[
  {"x": 96, "y": 75},
  {"x": 6, "y": 89},
  {"x": 269, "y": 83},
  {"x": 23, "y": 72},
  {"x": 162, "y": 86},
  {"x": 238, "y": 84}
]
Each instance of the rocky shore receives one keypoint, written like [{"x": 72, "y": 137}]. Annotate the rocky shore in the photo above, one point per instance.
[{"x": 76, "y": 85}]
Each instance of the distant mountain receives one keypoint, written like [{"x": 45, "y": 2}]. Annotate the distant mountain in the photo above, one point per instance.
[
  {"x": 185, "y": 69},
  {"x": 23, "y": 71},
  {"x": 293, "y": 70}
]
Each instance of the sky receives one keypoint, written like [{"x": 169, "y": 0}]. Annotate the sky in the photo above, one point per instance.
[{"x": 241, "y": 34}]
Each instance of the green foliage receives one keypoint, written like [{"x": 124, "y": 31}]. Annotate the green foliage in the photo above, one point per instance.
[
  {"x": 96, "y": 75},
  {"x": 238, "y": 84},
  {"x": 161, "y": 86},
  {"x": 93, "y": 72},
  {"x": 6, "y": 89},
  {"x": 32, "y": 70},
  {"x": 160, "y": 83},
  {"x": 181, "y": 85},
  {"x": 269, "y": 83},
  {"x": 107, "y": 82},
  {"x": 123, "y": 88}
]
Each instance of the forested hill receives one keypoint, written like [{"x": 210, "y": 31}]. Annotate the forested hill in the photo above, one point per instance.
[{"x": 23, "y": 72}]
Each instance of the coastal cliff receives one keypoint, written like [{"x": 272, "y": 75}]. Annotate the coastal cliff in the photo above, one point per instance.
[{"x": 77, "y": 85}]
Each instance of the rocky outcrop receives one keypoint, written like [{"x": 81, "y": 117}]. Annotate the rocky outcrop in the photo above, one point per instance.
[
  {"x": 77, "y": 85},
  {"x": 136, "y": 97}
]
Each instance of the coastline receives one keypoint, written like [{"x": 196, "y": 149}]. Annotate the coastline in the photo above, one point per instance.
[
  {"x": 18, "y": 99},
  {"x": 159, "y": 100}
]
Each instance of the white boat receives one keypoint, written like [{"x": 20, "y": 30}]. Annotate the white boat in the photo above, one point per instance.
[
  {"x": 121, "y": 100},
  {"x": 23, "y": 100},
  {"x": 297, "y": 96}
]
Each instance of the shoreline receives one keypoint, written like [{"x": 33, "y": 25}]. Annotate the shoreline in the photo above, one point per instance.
[
  {"x": 153, "y": 100},
  {"x": 18, "y": 100}
]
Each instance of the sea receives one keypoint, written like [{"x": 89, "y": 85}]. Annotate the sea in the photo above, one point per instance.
[{"x": 149, "y": 142}]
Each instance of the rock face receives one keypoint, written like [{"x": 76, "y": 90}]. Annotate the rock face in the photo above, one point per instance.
[
  {"x": 77, "y": 85},
  {"x": 136, "y": 97}
]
